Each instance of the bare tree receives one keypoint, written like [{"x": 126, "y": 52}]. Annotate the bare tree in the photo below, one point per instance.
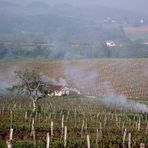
[{"x": 32, "y": 84}]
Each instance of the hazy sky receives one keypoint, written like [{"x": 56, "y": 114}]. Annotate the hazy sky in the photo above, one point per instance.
[{"x": 125, "y": 4}]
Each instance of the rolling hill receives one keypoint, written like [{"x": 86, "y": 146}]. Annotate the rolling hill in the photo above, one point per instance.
[{"x": 62, "y": 23}]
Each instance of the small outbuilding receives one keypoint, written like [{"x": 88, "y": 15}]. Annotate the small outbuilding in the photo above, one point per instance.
[{"x": 59, "y": 90}]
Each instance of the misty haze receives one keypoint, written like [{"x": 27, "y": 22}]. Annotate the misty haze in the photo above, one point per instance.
[{"x": 74, "y": 73}]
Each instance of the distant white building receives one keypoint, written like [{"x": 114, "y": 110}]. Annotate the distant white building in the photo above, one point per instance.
[
  {"x": 110, "y": 43},
  {"x": 69, "y": 91},
  {"x": 57, "y": 93},
  {"x": 141, "y": 21},
  {"x": 58, "y": 90},
  {"x": 55, "y": 90},
  {"x": 109, "y": 20}
]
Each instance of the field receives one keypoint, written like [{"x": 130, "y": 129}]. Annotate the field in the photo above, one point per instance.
[
  {"x": 139, "y": 32},
  {"x": 125, "y": 76},
  {"x": 88, "y": 120}
]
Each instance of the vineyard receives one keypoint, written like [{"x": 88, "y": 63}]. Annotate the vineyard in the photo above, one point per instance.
[
  {"x": 111, "y": 111},
  {"x": 125, "y": 76},
  {"x": 76, "y": 121}
]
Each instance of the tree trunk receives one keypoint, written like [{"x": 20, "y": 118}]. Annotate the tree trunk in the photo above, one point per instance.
[{"x": 33, "y": 122}]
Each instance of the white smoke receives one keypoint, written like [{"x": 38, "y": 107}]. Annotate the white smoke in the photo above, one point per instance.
[
  {"x": 54, "y": 81},
  {"x": 111, "y": 99},
  {"x": 81, "y": 77},
  {"x": 84, "y": 79},
  {"x": 62, "y": 82},
  {"x": 7, "y": 78}
]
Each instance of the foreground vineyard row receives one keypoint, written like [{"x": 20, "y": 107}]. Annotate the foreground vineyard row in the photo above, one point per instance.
[{"x": 75, "y": 121}]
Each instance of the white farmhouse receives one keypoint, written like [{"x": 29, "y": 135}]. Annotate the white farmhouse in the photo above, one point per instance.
[
  {"x": 55, "y": 90},
  {"x": 141, "y": 21},
  {"x": 110, "y": 43},
  {"x": 59, "y": 90}
]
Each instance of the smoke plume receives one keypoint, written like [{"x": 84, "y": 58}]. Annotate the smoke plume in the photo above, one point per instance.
[
  {"x": 113, "y": 100},
  {"x": 85, "y": 80},
  {"x": 81, "y": 77}
]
